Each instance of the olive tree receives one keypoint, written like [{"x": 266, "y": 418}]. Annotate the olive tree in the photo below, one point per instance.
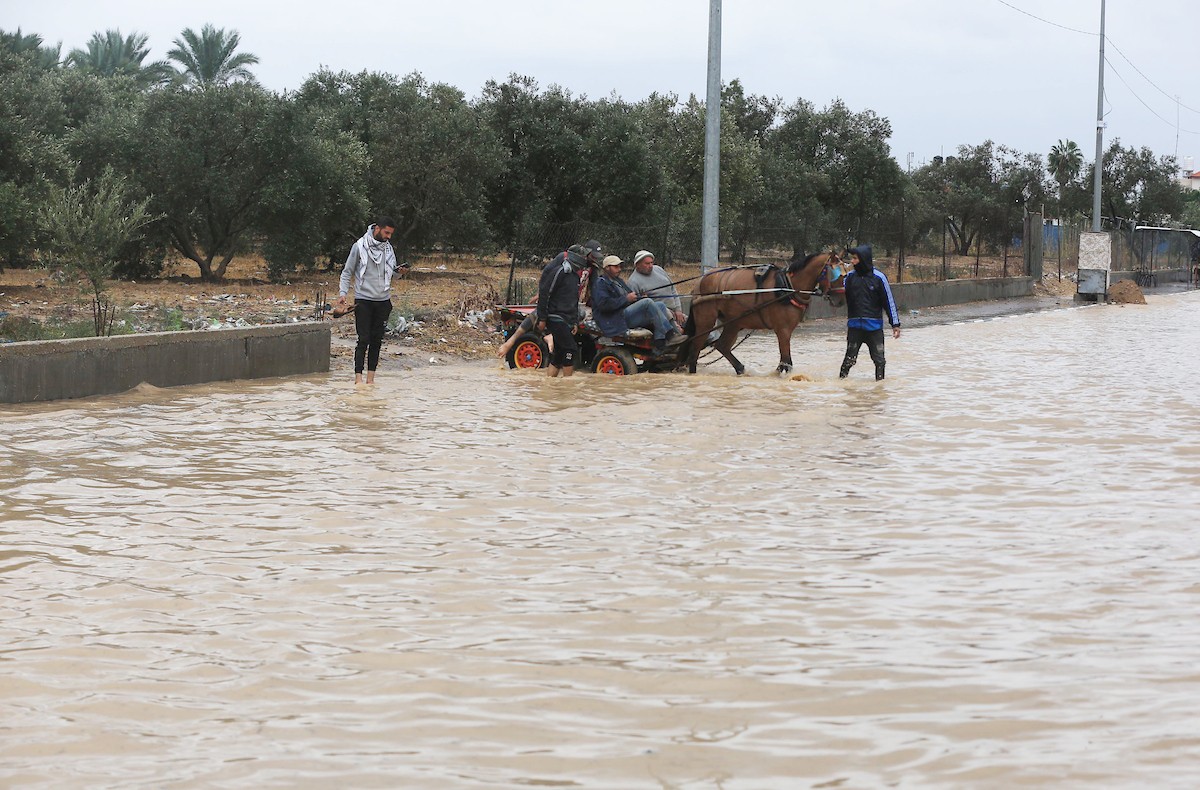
[
  {"x": 429, "y": 157},
  {"x": 86, "y": 225},
  {"x": 223, "y": 163}
]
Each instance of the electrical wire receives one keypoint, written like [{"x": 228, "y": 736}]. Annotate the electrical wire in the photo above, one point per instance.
[
  {"x": 1147, "y": 79},
  {"x": 1110, "y": 42},
  {"x": 1047, "y": 21},
  {"x": 1143, "y": 102}
]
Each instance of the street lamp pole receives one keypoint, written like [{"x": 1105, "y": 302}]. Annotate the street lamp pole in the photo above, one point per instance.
[
  {"x": 1099, "y": 133},
  {"x": 709, "y": 247}
]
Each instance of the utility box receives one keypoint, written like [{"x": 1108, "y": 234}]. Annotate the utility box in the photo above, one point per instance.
[{"x": 1095, "y": 263}]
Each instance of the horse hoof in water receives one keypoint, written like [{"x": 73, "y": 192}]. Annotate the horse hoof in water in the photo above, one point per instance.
[{"x": 783, "y": 370}]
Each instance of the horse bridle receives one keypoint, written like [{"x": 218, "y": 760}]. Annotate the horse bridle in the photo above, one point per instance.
[
  {"x": 829, "y": 275},
  {"x": 824, "y": 285}
]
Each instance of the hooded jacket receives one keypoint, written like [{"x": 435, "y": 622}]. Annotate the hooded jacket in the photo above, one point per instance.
[
  {"x": 369, "y": 267},
  {"x": 558, "y": 291},
  {"x": 868, "y": 294}
]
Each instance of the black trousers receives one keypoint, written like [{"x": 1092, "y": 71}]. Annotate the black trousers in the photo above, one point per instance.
[
  {"x": 370, "y": 321},
  {"x": 854, "y": 341},
  {"x": 565, "y": 348}
]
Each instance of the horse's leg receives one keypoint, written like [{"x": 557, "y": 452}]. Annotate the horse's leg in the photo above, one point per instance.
[
  {"x": 701, "y": 322},
  {"x": 784, "y": 336},
  {"x": 725, "y": 343}
]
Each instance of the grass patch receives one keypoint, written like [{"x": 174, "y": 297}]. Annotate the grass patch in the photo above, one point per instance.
[{"x": 14, "y": 329}]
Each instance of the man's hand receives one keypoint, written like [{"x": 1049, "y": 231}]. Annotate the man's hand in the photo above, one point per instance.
[
  {"x": 540, "y": 326},
  {"x": 632, "y": 298},
  {"x": 342, "y": 300},
  {"x": 896, "y": 332},
  {"x": 680, "y": 317}
]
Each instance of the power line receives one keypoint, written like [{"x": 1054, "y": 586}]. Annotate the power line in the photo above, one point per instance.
[
  {"x": 1147, "y": 79},
  {"x": 1140, "y": 99},
  {"x": 1109, "y": 40},
  {"x": 1047, "y": 21}
]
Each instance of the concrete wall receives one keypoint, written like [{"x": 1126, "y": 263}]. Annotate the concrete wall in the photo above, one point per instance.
[
  {"x": 47, "y": 370},
  {"x": 1161, "y": 276},
  {"x": 914, "y": 296}
]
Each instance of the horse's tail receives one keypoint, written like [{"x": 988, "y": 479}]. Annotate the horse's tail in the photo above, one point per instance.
[{"x": 689, "y": 326}]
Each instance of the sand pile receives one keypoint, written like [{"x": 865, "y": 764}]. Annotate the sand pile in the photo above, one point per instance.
[{"x": 1126, "y": 292}]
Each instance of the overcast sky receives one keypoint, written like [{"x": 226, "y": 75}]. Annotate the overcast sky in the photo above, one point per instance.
[{"x": 944, "y": 72}]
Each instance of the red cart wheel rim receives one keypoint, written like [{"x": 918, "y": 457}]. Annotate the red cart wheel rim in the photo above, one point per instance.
[
  {"x": 528, "y": 355},
  {"x": 610, "y": 364}
]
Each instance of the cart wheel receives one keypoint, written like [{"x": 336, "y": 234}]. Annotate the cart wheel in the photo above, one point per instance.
[
  {"x": 529, "y": 351},
  {"x": 617, "y": 361}
]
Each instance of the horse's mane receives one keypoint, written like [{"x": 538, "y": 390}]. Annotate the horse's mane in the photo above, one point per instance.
[{"x": 797, "y": 265}]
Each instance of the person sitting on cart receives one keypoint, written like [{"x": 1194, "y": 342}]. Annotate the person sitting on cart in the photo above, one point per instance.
[
  {"x": 590, "y": 255},
  {"x": 617, "y": 309},
  {"x": 649, "y": 279}
]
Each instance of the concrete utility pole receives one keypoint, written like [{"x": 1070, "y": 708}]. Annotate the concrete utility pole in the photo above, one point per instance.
[
  {"x": 1099, "y": 133},
  {"x": 709, "y": 242}
]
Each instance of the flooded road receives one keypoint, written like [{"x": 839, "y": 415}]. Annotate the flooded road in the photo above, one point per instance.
[{"x": 982, "y": 573}]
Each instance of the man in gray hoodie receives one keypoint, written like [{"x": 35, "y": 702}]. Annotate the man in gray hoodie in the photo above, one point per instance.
[{"x": 369, "y": 269}]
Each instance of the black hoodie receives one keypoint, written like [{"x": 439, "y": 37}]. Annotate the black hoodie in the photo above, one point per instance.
[{"x": 868, "y": 294}]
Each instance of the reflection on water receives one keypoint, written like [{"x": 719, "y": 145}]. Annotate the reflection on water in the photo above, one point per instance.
[{"x": 981, "y": 573}]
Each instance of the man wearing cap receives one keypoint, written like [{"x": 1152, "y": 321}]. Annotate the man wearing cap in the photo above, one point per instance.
[
  {"x": 649, "y": 279},
  {"x": 617, "y": 308},
  {"x": 558, "y": 303}
]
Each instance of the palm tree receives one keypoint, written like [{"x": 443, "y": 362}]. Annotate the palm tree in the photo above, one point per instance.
[
  {"x": 21, "y": 43},
  {"x": 1064, "y": 163},
  {"x": 208, "y": 59},
  {"x": 112, "y": 54}
]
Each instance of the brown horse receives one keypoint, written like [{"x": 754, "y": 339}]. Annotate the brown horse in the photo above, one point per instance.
[{"x": 741, "y": 299}]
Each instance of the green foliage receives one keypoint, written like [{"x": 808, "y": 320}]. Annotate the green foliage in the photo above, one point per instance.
[
  {"x": 30, "y": 45},
  {"x": 828, "y": 172},
  {"x": 228, "y": 167},
  {"x": 538, "y": 177},
  {"x": 429, "y": 158},
  {"x": 111, "y": 54},
  {"x": 32, "y": 150},
  {"x": 1138, "y": 188},
  {"x": 208, "y": 158},
  {"x": 87, "y": 224},
  {"x": 171, "y": 320},
  {"x": 208, "y": 58},
  {"x": 1064, "y": 165},
  {"x": 982, "y": 193}
]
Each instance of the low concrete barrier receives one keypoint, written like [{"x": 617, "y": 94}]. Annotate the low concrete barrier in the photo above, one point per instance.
[
  {"x": 45, "y": 370},
  {"x": 1161, "y": 276},
  {"x": 913, "y": 296}
]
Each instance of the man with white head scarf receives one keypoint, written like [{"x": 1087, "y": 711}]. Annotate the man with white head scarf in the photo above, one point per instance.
[{"x": 369, "y": 269}]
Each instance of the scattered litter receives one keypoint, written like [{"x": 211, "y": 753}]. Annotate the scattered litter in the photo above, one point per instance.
[
  {"x": 441, "y": 267},
  {"x": 914, "y": 312},
  {"x": 480, "y": 319},
  {"x": 433, "y": 360}
]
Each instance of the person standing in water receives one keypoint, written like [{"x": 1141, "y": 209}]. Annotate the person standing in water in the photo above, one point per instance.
[
  {"x": 369, "y": 269},
  {"x": 868, "y": 295}
]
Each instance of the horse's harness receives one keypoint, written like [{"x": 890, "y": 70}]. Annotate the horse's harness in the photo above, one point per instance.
[{"x": 833, "y": 270}]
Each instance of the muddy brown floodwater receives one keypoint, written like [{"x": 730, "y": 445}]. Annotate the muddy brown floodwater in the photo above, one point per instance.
[{"x": 983, "y": 573}]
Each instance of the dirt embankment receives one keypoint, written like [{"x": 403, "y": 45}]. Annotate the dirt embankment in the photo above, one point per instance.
[{"x": 440, "y": 305}]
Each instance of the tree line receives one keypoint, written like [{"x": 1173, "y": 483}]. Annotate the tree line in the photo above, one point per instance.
[{"x": 213, "y": 165}]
